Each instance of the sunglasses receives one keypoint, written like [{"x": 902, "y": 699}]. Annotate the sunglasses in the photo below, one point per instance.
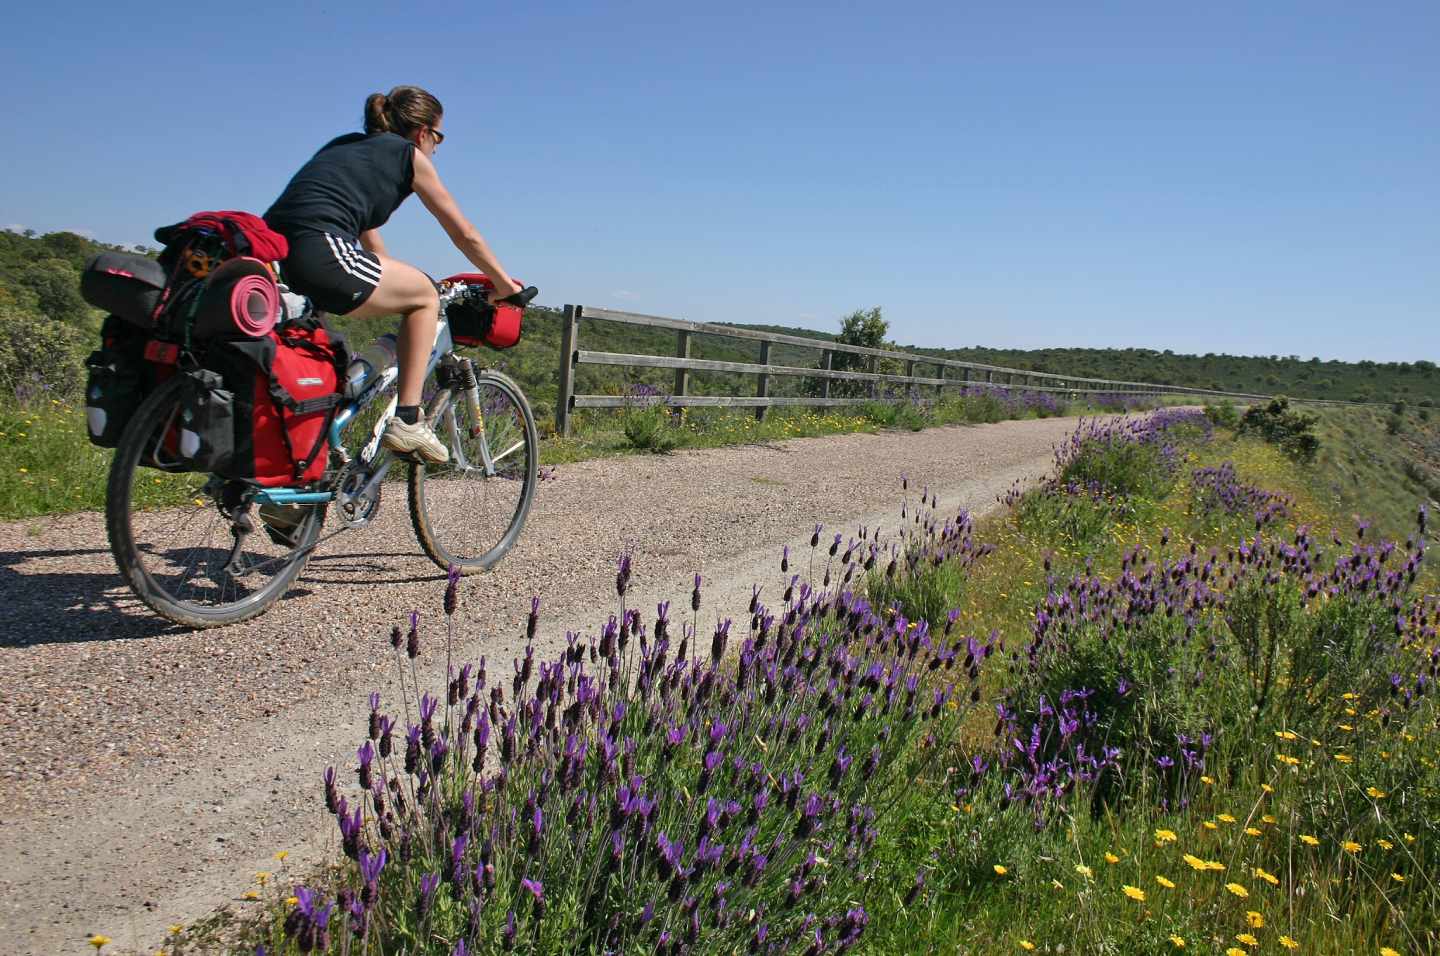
[{"x": 438, "y": 136}]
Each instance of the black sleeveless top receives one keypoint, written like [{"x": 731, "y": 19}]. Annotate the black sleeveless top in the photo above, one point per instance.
[{"x": 352, "y": 184}]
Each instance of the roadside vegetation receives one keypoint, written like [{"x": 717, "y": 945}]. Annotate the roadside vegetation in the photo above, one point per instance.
[{"x": 1169, "y": 700}]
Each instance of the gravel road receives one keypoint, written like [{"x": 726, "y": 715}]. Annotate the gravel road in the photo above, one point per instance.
[{"x": 148, "y": 771}]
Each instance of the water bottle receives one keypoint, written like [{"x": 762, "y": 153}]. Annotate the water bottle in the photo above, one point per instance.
[{"x": 371, "y": 363}]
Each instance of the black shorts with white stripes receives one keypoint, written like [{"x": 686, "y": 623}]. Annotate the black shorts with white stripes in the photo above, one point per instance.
[{"x": 333, "y": 270}]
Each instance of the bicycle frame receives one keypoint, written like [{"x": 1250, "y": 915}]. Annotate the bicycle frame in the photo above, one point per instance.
[{"x": 372, "y": 452}]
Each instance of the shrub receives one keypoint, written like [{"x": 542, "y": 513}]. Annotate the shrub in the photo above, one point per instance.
[
  {"x": 39, "y": 356},
  {"x": 638, "y": 793},
  {"x": 1223, "y": 414},
  {"x": 1278, "y": 425},
  {"x": 650, "y": 429}
]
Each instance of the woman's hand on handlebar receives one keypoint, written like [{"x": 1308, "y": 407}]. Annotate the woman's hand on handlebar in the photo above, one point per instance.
[{"x": 504, "y": 289}]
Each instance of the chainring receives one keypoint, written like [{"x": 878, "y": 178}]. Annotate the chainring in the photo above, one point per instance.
[{"x": 353, "y": 510}]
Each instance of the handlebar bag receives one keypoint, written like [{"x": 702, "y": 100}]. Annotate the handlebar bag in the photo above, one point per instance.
[
  {"x": 285, "y": 388},
  {"x": 474, "y": 321}
]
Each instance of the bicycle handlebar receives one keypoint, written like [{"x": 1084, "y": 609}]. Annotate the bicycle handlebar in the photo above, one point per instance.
[{"x": 523, "y": 297}]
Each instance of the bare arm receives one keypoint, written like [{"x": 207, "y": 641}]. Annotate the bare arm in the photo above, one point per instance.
[
  {"x": 371, "y": 241},
  {"x": 466, "y": 237}
]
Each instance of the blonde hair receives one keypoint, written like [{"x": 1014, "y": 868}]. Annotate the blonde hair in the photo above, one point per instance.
[{"x": 403, "y": 110}]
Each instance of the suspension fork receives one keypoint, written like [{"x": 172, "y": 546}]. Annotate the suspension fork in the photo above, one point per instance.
[{"x": 470, "y": 387}]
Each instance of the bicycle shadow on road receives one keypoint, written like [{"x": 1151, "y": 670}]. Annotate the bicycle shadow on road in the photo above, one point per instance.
[
  {"x": 371, "y": 567},
  {"x": 70, "y": 607}
]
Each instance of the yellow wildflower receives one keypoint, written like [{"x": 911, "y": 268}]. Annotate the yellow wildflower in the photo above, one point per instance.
[
  {"x": 1309, "y": 840},
  {"x": 176, "y": 929},
  {"x": 1111, "y": 858},
  {"x": 1237, "y": 889},
  {"x": 1268, "y": 818},
  {"x": 1287, "y": 735},
  {"x": 1270, "y": 878},
  {"x": 1253, "y": 831},
  {"x": 1194, "y": 861},
  {"x": 1207, "y": 780},
  {"x": 1254, "y": 920},
  {"x": 281, "y": 855},
  {"x": 1236, "y": 951},
  {"x": 1288, "y": 943},
  {"x": 1344, "y": 758},
  {"x": 1385, "y": 844},
  {"x": 1177, "y": 941},
  {"x": 1225, "y": 818},
  {"x": 291, "y": 900},
  {"x": 1351, "y": 846},
  {"x": 250, "y": 895},
  {"x": 1000, "y": 870},
  {"x": 1134, "y": 892},
  {"x": 99, "y": 939},
  {"x": 1165, "y": 836},
  {"x": 1084, "y": 870},
  {"x": 1267, "y": 788},
  {"x": 1210, "y": 825},
  {"x": 1397, "y": 877},
  {"x": 1247, "y": 939},
  {"x": 1409, "y": 838},
  {"x": 1288, "y": 760},
  {"x": 1026, "y": 944},
  {"x": 1375, "y": 794},
  {"x": 1387, "y": 951}
]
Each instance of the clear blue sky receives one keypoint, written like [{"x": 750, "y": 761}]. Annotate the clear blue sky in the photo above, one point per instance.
[{"x": 1234, "y": 177}]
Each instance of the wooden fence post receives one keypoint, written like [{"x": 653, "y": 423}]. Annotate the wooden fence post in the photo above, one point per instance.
[
  {"x": 569, "y": 339},
  {"x": 682, "y": 375},
  {"x": 910, "y": 390},
  {"x": 871, "y": 366},
  {"x": 828, "y": 364},
  {"x": 763, "y": 389}
]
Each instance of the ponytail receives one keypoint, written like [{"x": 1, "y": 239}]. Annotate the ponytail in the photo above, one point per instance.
[
  {"x": 403, "y": 110},
  {"x": 375, "y": 109}
]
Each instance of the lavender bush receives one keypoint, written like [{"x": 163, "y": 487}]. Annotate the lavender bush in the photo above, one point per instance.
[
  {"x": 1218, "y": 491},
  {"x": 643, "y": 790}
]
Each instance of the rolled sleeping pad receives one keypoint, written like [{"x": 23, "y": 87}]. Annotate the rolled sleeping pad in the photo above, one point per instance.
[{"x": 240, "y": 301}]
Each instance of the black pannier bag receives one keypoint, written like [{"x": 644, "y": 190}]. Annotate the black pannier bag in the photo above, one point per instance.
[
  {"x": 206, "y": 428},
  {"x": 126, "y": 285},
  {"x": 119, "y": 378}
]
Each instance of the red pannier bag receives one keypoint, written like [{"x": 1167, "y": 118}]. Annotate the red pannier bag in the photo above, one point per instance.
[
  {"x": 474, "y": 321},
  {"x": 286, "y": 391}
]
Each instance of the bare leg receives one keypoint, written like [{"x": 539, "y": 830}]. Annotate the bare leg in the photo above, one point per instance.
[{"x": 405, "y": 290}]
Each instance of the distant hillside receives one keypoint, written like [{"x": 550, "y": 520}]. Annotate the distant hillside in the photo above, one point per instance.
[{"x": 40, "y": 309}]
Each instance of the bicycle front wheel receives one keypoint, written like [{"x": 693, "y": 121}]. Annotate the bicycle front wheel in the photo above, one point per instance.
[
  {"x": 174, "y": 536},
  {"x": 469, "y": 511}
]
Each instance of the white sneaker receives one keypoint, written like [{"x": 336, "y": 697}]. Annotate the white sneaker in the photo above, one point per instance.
[{"x": 416, "y": 439}]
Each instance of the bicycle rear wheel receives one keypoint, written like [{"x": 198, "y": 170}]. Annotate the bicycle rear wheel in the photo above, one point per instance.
[
  {"x": 469, "y": 511},
  {"x": 173, "y": 532}
]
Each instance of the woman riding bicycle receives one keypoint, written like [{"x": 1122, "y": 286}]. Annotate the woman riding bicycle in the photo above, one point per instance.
[{"x": 331, "y": 213}]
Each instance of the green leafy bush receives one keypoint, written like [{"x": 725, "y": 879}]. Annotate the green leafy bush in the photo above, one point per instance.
[
  {"x": 39, "y": 356},
  {"x": 1278, "y": 425},
  {"x": 1223, "y": 414},
  {"x": 649, "y": 429}
]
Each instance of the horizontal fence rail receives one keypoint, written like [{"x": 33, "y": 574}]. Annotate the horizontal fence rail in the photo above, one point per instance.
[{"x": 948, "y": 373}]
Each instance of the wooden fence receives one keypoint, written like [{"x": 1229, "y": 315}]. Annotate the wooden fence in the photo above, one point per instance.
[{"x": 947, "y": 373}]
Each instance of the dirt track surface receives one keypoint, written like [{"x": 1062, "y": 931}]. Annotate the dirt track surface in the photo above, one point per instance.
[{"x": 149, "y": 772}]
